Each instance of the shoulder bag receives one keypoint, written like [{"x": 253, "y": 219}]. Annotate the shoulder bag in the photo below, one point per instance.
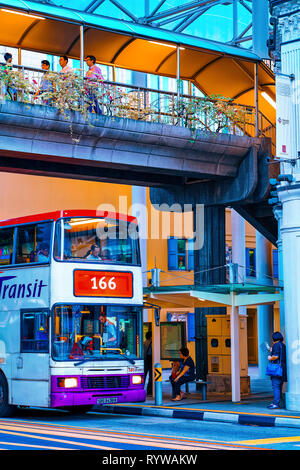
[{"x": 275, "y": 369}]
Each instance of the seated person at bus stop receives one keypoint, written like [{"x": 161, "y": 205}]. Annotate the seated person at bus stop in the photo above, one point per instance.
[
  {"x": 107, "y": 331},
  {"x": 186, "y": 374},
  {"x": 42, "y": 255}
]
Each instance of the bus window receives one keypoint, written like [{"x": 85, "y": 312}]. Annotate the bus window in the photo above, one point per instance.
[
  {"x": 34, "y": 331},
  {"x": 6, "y": 245},
  {"x": 33, "y": 243},
  {"x": 97, "y": 240}
]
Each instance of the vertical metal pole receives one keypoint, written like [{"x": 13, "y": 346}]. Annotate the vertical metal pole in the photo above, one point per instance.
[
  {"x": 235, "y": 351},
  {"x": 82, "y": 49},
  {"x": 158, "y": 383},
  {"x": 235, "y": 20},
  {"x": 178, "y": 74},
  {"x": 155, "y": 349},
  {"x": 147, "y": 9},
  {"x": 256, "y": 99},
  {"x": 19, "y": 56},
  {"x": 260, "y": 27}
]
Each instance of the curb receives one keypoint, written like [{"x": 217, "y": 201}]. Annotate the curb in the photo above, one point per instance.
[{"x": 212, "y": 416}]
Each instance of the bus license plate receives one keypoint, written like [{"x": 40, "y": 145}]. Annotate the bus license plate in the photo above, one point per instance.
[{"x": 104, "y": 400}]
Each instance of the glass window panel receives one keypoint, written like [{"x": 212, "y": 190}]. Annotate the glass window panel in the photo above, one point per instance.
[
  {"x": 172, "y": 339},
  {"x": 252, "y": 264},
  {"x": 34, "y": 332},
  {"x": 33, "y": 243},
  {"x": 6, "y": 246},
  {"x": 181, "y": 244},
  {"x": 97, "y": 240}
]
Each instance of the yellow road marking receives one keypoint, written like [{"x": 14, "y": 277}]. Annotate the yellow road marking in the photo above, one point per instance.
[
  {"x": 139, "y": 440},
  {"x": 271, "y": 440},
  {"x": 56, "y": 440},
  {"x": 103, "y": 436}
]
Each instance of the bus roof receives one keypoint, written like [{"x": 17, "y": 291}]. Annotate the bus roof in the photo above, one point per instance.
[{"x": 66, "y": 213}]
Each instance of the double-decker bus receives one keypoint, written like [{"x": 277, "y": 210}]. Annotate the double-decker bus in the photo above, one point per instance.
[{"x": 70, "y": 311}]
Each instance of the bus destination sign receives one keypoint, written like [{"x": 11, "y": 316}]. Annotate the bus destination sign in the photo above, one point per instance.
[{"x": 102, "y": 284}]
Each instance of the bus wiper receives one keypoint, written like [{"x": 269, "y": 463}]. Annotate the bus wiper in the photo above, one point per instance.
[
  {"x": 87, "y": 359},
  {"x": 132, "y": 361},
  {"x": 101, "y": 359}
]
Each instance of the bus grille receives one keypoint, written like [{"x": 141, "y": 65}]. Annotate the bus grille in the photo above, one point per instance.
[{"x": 105, "y": 382}]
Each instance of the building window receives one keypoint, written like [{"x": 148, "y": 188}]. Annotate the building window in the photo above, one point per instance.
[
  {"x": 172, "y": 339},
  {"x": 180, "y": 254},
  {"x": 250, "y": 262},
  {"x": 275, "y": 264}
]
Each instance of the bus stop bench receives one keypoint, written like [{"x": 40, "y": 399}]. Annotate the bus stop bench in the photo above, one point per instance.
[
  {"x": 203, "y": 386},
  {"x": 197, "y": 382}
]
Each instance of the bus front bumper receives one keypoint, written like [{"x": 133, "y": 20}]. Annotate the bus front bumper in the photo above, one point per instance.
[{"x": 76, "y": 398}]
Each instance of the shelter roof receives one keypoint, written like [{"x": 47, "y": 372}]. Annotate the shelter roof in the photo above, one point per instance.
[{"x": 191, "y": 296}]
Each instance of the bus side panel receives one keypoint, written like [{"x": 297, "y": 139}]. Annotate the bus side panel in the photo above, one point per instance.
[
  {"x": 27, "y": 373},
  {"x": 9, "y": 342}
]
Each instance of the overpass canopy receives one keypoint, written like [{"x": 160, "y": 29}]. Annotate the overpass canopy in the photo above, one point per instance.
[{"x": 215, "y": 68}]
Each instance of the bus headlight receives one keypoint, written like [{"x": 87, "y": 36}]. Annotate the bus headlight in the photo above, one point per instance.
[
  {"x": 137, "y": 379},
  {"x": 69, "y": 382}
]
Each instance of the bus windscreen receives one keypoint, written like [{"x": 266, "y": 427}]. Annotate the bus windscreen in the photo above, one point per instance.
[
  {"x": 94, "y": 332},
  {"x": 97, "y": 240}
]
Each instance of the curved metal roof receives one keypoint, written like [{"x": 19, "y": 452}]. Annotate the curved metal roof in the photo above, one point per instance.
[{"x": 214, "y": 67}]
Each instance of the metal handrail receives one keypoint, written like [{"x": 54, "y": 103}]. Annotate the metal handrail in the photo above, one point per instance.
[{"x": 182, "y": 117}]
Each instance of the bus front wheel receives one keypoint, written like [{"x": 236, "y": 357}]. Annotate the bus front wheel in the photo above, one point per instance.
[{"x": 5, "y": 408}]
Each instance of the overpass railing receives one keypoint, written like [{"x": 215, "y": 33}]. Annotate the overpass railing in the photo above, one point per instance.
[{"x": 72, "y": 92}]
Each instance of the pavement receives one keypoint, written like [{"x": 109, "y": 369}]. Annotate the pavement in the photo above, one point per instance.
[{"x": 251, "y": 410}]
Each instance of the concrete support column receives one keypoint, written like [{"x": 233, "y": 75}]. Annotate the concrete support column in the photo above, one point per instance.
[
  {"x": 238, "y": 244},
  {"x": 238, "y": 249},
  {"x": 278, "y": 215},
  {"x": 139, "y": 210},
  {"x": 264, "y": 312},
  {"x": 209, "y": 268},
  {"x": 235, "y": 351},
  {"x": 290, "y": 234},
  {"x": 139, "y": 196}
]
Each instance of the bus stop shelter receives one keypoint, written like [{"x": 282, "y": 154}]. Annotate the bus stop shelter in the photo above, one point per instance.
[{"x": 222, "y": 295}]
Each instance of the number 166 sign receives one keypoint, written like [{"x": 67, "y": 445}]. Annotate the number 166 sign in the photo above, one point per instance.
[{"x": 102, "y": 284}]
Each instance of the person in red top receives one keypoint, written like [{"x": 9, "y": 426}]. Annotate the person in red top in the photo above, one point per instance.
[{"x": 93, "y": 76}]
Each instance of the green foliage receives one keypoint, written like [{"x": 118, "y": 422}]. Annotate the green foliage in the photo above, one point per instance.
[{"x": 70, "y": 93}]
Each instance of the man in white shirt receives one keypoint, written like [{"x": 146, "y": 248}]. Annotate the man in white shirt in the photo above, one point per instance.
[{"x": 63, "y": 62}]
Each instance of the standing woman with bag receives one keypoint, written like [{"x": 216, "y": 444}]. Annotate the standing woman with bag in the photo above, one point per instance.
[{"x": 277, "y": 368}]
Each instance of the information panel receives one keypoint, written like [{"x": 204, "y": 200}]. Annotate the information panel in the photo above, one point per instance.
[{"x": 103, "y": 284}]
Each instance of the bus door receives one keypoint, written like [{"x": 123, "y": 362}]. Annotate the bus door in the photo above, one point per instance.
[{"x": 31, "y": 374}]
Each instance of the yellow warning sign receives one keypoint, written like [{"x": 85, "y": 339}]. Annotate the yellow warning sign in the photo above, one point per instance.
[{"x": 157, "y": 375}]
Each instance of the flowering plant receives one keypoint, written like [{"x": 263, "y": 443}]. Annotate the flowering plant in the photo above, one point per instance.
[{"x": 71, "y": 92}]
